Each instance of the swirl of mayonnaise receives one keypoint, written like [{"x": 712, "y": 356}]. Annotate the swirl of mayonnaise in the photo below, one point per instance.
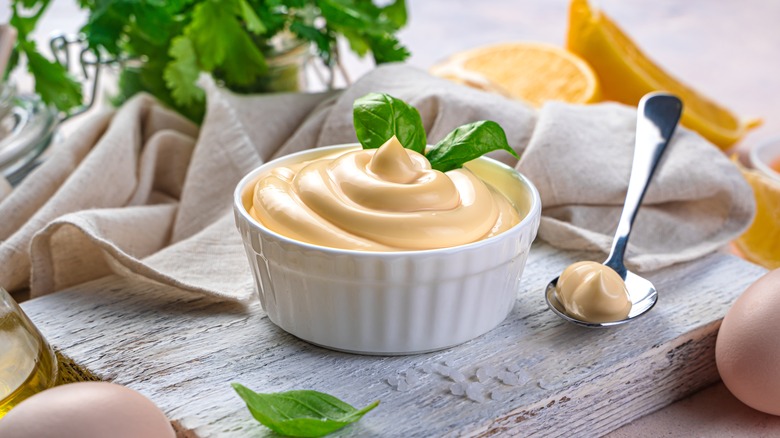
[{"x": 382, "y": 199}]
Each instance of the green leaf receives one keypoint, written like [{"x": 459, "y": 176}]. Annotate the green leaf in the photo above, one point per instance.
[
  {"x": 347, "y": 13},
  {"x": 466, "y": 143},
  {"x": 221, "y": 42},
  {"x": 251, "y": 19},
  {"x": 25, "y": 24},
  {"x": 356, "y": 41},
  {"x": 396, "y": 13},
  {"x": 387, "y": 48},
  {"x": 52, "y": 81},
  {"x": 300, "y": 413},
  {"x": 209, "y": 20},
  {"x": 378, "y": 117},
  {"x": 181, "y": 74},
  {"x": 245, "y": 64},
  {"x": 322, "y": 40},
  {"x": 104, "y": 27}
]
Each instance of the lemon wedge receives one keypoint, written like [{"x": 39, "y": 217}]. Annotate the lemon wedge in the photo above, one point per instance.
[
  {"x": 761, "y": 242},
  {"x": 626, "y": 74},
  {"x": 530, "y": 71}
]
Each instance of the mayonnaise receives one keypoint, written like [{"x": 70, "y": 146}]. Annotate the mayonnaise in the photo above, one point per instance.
[
  {"x": 593, "y": 292},
  {"x": 382, "y": 199}
]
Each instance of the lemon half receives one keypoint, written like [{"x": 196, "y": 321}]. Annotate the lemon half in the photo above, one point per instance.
[{"x": 530, "y": 71}]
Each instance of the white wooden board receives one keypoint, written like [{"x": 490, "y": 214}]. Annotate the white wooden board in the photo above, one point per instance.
[{"x": 183, "y": 351}]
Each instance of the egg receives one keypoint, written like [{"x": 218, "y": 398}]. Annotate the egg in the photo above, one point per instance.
[
  {"x": 747, "y": 350},
  {"x": 86, "y": 410}
]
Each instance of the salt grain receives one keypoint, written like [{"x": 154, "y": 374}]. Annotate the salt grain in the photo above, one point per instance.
[
  {"x": 482, "y": 375},
  {"x": 508, "y": 378},
  {"x": 403, "y": 385},
  {"x": 546, "y": 385},
  {"x": 513, "y": 368},
  {"x": 474, "y": 392},
  {"x": 457, "y": 389},
  {"x": 392, "y": 381},
  {"x": 427, "y": 368},
  {"x": 456, "y": 375},
  {"x": 441, "y": 369},
  {"x": 412, "y": 378},
  {"x": 449, "y": 362},
  {"x": 523, "y": 377}
]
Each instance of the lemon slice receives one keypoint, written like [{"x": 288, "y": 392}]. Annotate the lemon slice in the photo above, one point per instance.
[
  {"x": 761, "y": 242},
  {"x": 533, "y": 72},
  {"x": 626, "y": 74}
]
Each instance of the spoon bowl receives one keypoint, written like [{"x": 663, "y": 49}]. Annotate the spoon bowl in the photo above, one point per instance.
[
  {"x": 641, "y": 293},
  {"x": 657, "y": 118}
]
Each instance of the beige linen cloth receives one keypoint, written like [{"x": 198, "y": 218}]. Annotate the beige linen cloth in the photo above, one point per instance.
[{"x": 141, "y": 192}]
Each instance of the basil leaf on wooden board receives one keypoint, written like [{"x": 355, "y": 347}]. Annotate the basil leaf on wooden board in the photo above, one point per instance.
[
  {"x": 378, "y": 117},
  {"x": 301, "y": 413},
  {"x": 466, "y": 143}
]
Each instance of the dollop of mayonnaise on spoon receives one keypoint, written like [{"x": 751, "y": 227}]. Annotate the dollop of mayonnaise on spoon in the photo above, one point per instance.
[{"x": 593, "y": 292}]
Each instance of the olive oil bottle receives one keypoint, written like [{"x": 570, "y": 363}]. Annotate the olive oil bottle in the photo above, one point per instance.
[{"x": 27, "y": 362}]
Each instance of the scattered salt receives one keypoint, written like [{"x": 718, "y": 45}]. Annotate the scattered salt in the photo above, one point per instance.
[
  {"x": 482, "y": 375},
  {"x": 490, "y": 370},
  {"x": 427, "y": 368},
  {"x": 513, "y": 368},
  {"x": 449, "y": 362},
  {"x": 403, "y": 385}
]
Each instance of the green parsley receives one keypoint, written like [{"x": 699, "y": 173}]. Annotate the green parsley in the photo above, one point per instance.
[{"x": 169, "y": 43}]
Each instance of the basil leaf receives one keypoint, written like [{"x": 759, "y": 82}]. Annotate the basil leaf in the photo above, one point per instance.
[
  {"x": 300, "y": 413},
  {"x": 378, "y": 117},
  {"x": 466, "y": 143}
]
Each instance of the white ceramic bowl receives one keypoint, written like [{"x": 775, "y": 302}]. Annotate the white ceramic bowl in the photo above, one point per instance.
[
  {"x": 389, "y": 302},
  {"x": 765, "y": 153}
]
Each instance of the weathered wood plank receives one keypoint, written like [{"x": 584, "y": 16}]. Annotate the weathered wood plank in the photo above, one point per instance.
[{"x": 183, "y": 351}]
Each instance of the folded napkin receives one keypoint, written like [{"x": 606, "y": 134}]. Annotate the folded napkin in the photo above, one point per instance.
[{"x": 142, "y": 192}]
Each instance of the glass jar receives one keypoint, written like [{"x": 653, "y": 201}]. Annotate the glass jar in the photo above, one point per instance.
[{"x": 26, "y": 129}]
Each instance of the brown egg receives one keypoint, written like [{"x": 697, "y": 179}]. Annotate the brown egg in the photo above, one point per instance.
[
  {"x": 86, "y": 410},
  {"x": 748, "y": 347}
]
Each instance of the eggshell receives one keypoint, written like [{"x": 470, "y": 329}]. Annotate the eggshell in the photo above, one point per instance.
[
  {"x": 748, "y": 347},
  {"x": 86, "y": 410}
]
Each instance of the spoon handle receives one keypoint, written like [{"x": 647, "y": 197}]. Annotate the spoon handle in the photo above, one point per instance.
[{"x": 657, "y": 117}]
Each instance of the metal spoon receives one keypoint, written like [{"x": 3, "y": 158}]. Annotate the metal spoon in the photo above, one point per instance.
[{"x": 657, "y": 117}]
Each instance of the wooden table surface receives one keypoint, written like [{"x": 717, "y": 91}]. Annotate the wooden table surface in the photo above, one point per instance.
[
  {"x": 182, "y": 351},
  {"x": 726, "y": 49}
]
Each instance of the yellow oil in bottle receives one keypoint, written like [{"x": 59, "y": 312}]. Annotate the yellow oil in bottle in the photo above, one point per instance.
[{"x": 27, "y": 363}]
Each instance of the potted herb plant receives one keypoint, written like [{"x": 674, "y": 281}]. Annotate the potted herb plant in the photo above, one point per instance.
[{"x": 246, "y": 45}]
